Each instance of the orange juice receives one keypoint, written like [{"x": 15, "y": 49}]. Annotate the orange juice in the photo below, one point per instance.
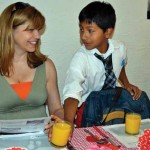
[
  {"x": 60, "y": 133},
  {"x": 132, "y": 124}
]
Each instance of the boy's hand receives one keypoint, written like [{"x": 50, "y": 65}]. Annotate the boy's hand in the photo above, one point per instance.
[
  {"x": 72, "y": 129},
  {"x": 134, "y": 91}
]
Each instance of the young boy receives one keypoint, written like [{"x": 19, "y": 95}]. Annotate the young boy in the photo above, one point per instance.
[{"x": 87, "y": 71}]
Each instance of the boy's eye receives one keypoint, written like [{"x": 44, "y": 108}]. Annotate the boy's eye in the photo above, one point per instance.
[
  {"x": 81, "y": 30},
  {"x": 91, "y": 30}
]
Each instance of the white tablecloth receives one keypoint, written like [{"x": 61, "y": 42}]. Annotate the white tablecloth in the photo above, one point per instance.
[
  {"x": 130, "y": 141},
  {"x": 38, "y": 141}
]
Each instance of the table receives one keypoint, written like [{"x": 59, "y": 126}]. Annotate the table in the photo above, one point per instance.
[
  {"x": 36, "y": 141},
  {"x": 115, "y": 132},
  {"x": 39, "y": 141}
]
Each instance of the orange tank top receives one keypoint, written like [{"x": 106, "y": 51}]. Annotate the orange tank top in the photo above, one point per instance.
[{"x": 22, "y": 89}]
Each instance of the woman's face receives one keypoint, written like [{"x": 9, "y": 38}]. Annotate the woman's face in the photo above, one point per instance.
[{"x": 25, "y": 39}]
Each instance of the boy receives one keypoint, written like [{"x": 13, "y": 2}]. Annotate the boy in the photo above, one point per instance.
[{"x": 87, "y": 71}]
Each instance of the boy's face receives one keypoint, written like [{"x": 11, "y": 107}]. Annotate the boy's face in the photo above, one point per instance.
[{"x": 93, "y": 36}]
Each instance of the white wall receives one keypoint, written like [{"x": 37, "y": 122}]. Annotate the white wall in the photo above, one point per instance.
[{"x": 61, "y": 38}]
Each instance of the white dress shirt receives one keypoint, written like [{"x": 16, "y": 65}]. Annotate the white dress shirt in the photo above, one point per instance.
[{"x": 87, "y": 73}]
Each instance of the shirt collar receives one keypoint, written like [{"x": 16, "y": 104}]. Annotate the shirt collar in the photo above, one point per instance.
[{"x": 108, "y": 52}]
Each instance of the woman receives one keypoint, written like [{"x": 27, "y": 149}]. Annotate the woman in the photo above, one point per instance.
[{"x": 28, "y": 79}]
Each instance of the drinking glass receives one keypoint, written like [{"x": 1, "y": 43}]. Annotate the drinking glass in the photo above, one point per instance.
[
  {"x": 132, "y": 123},
  {"x": 60, "y": 133}
]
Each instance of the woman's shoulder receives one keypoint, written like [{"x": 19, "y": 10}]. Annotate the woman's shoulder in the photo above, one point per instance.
[
  {"x": 50, "y": 67},
  {"x": 49, "y": 62}
]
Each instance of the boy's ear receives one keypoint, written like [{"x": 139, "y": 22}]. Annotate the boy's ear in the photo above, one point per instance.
[{"x": 109, "y": 32}]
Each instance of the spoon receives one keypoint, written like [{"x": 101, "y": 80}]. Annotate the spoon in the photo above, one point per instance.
[{"x": 98, "y": 141}]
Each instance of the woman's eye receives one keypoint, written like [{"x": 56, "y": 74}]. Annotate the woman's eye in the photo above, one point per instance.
[
  {"x": 31, "y": 30},
  {"x": 40, "y": 31}
]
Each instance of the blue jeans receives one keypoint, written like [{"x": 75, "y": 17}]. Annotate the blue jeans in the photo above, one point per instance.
[{"x": 98, "y": 103}]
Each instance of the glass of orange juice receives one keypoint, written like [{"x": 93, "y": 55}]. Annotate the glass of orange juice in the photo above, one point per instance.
[
  {"x": 132, "y": 123},
  {"x": 60, "y": 133}
]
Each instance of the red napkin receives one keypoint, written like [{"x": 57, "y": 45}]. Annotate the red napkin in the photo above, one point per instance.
[
  {"x": 102, "y": 147},
  {"x": 144, "y": 140},
  {"x": 107, "y": 146},
  {"x": 95, "y": 147}
]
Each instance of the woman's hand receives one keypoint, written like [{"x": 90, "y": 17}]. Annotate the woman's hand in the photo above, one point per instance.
[{"x": 48, "y": 127}]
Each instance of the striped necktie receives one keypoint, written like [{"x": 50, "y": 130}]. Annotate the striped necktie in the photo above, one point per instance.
[{"x": 110, "y": 81}]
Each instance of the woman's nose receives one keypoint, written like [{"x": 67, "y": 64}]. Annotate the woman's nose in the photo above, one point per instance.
[{"x": 36, "y": 34}]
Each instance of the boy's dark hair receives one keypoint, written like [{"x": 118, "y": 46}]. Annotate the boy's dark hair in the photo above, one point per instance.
[{"x": 101, "y": 13}]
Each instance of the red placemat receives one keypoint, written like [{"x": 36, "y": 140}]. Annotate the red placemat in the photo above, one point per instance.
[
  {"x": 15, "y": 148},
  {"x": 83, "y": 141}
]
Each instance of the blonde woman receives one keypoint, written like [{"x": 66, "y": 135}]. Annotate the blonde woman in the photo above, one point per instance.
[{"x": 28, "y": 78}]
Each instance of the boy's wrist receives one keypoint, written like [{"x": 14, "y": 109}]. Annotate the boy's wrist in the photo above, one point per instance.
[{"x": 127, "y": 85}]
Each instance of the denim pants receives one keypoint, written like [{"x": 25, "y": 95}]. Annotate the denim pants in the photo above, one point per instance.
[{"x": 99, "y": 102}]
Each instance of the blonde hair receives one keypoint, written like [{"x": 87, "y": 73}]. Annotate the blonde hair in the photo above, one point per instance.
[{"x": 10, "y": 19}]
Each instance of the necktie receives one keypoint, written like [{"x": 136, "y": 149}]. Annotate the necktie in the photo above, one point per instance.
[{"x": 110, "y": 81}]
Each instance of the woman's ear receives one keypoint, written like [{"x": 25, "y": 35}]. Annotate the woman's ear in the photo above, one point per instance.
[{"x": 109, "y": 32}]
